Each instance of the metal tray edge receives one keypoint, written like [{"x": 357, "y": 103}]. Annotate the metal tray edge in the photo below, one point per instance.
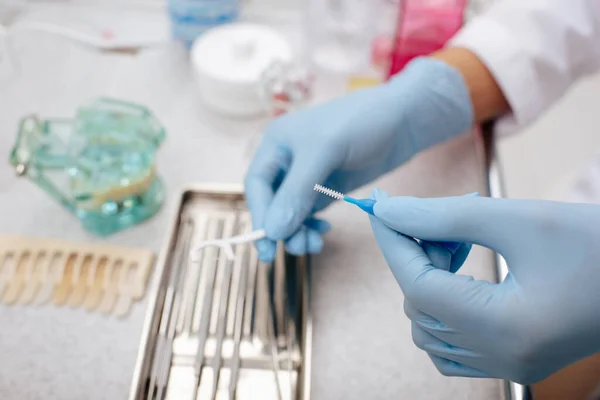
[{"x": 496, "y": 189}]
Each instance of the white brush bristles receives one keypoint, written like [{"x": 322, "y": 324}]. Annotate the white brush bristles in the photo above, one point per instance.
[{"x": 329, "y": 192}]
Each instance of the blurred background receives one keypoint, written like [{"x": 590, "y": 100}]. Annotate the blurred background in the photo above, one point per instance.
[{"x": 564, "y": 140}]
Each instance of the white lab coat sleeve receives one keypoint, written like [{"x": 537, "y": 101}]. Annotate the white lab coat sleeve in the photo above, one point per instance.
[{"x": 535, "y": 49}]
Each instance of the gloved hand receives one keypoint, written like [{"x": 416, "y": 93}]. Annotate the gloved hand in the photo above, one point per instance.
[
  {"x": 542, "y": 317},
  {"x": 345, "y": 144}
]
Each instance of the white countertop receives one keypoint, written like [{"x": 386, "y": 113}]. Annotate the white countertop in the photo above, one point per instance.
[{"x": 362, "y": 343}]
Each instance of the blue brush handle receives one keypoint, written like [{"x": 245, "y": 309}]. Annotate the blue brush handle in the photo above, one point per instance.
[
  {"x": 364, "y": 204},
  {"x": 367, "y": 206}
]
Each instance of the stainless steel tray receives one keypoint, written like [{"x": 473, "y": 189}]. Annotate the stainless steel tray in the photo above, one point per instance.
[{"x": 251, "y": 320}]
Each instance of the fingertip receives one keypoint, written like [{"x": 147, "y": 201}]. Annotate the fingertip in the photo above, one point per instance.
[
  {"x": 452, "y": 368},
  {"x": 377, "y": 209},
  {"x": 295, "y": 198},
  {"x": 266, "y": 250},
  {"x": 304, "y": 241},
  {"x": 267, "y": 166},
  {"x": 279, "y": 222},
  {"x": 381, "y": 209},
  {"x": 460, "y": 256},
  {"x": 297, "y": 244},
  {"x": 400, "y": 252},
  {"x": 378, "y": 194},
  {"x": 411, "y": 215},
  {"x": 376, "y": 224},
  {"x": 315, "y": 242},
  {"x": 374, "y": 193},
  {"x": 439, "y": 256},
  {"x": 445, "y": 367},
  {"x": 319, "y": 225},
  {"x": 383, "y": 233}
]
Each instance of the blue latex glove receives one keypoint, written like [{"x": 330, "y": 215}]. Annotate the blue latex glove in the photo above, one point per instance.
[
  {"x": 546, "y": 313},
  {"x": 347, "y": 143}
]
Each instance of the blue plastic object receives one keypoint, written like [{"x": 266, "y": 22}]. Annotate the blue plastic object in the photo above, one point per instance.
[
  {"x": 348, "y": 142},
  {"x": 191, "y": 18},
  {"x": 364, "y": 204},
  {"x": 541, "y": 318}
]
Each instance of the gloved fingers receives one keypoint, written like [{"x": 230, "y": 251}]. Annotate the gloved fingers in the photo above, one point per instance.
[
  {"x": 451, "y": 368},
  {"x": 450, "y": 298},
  {"x": 460, "y": 256},
  {"x": 319, "y": 225},
  {"x": 266, "y": 168},
  {"x": 404, "y": 255},
  {"x": 493, "y": 223},
  {"x": 436, "y": 328},
  {"x": 440, "y": 257},
  {"x": 422, "y": 319},
  {"x": 269, "y": 162},
  {"x": 432, "y": 345},
  {"x": 448, "y": 359},
  {"x": 433, "y": 326},
  {"x": 304, "y": 241},
  {"x": 308, "y": 238},
  {"x": 266, "y": 250},
  {"x": 295, "y": 198},
  {"x": 379, "y": 195}
]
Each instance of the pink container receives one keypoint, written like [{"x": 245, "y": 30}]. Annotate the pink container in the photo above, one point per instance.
[{"x": 424, "y": 26}]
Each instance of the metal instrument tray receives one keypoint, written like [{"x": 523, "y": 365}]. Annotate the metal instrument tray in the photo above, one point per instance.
[{"x": 251, "y": 320}]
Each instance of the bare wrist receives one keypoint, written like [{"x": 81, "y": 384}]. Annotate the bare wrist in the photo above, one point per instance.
[{"x": 486, "y": 96}]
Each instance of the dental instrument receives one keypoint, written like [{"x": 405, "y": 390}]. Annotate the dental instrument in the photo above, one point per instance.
[
  {"x": 364, "y": 204},
  {"x": 212, "y": 291},
  {"x": 238, "y": 327},
  {"x": 159, "y": 373},
  {"x": 226, "y": 244},
  {"x": 367, "y": 206}
]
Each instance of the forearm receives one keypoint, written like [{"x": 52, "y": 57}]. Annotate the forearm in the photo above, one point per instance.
[{"x": 487, "y": 98}]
